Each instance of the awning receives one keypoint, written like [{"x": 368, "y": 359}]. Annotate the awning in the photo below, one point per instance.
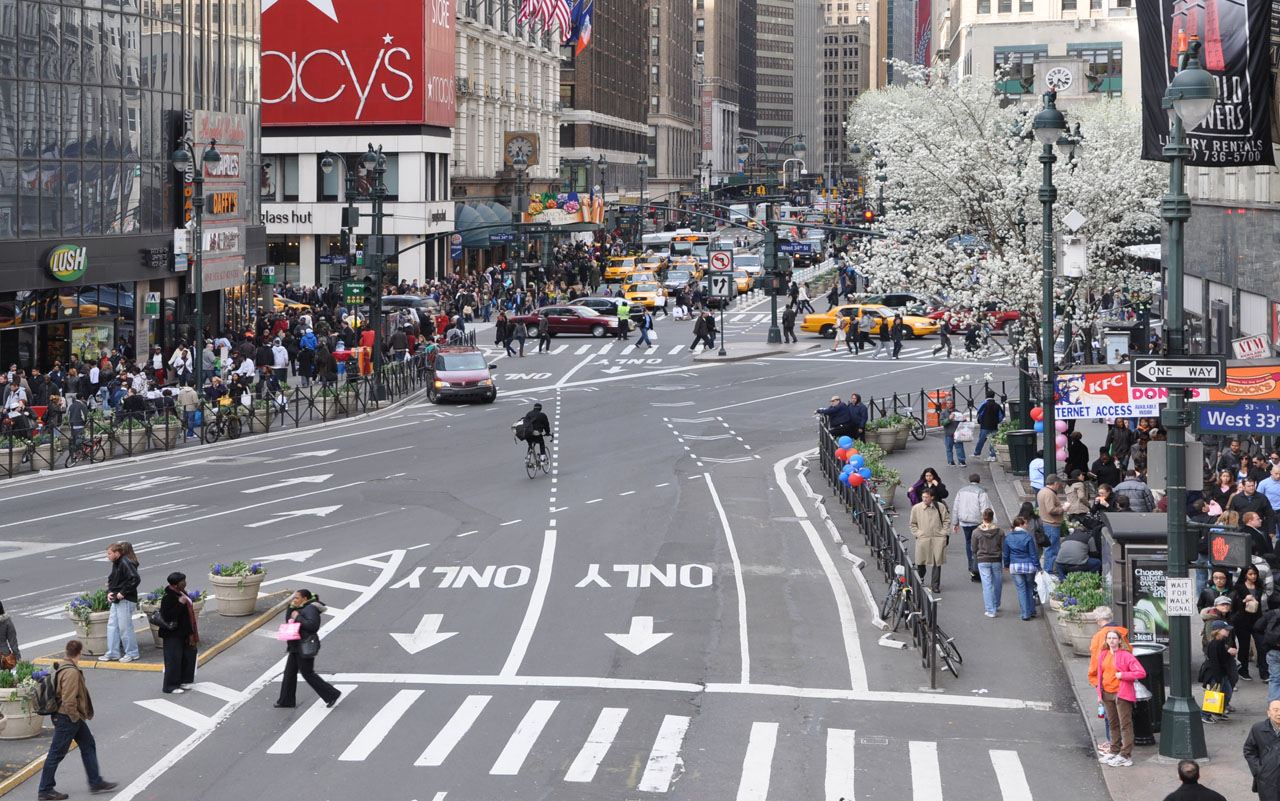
[
  {"x": 1151, "y": 251},
  {"x": 475, "y": 221}
]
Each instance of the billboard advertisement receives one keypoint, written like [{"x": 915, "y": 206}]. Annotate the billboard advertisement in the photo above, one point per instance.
[
  {"x": 1082, "y": 396},
  {"x": 343, "y": 62},
  {"x": 1245, "y": 383}
]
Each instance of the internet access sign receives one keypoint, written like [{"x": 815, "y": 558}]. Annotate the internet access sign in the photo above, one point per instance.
[{"x": 1179, "y": 372}]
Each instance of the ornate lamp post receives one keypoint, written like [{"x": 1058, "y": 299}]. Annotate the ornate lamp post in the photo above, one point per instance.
[
  {"x": 518, "y": 165},
  {"x": 643, "y": 164},
  {"x": 1048, "y": 126},
  {"x": 184, "y": 158}
]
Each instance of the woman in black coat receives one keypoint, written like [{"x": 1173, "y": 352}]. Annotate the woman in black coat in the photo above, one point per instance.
[
  {"x": 304, "y": 609},
  {"x": 181, "y": 640}
]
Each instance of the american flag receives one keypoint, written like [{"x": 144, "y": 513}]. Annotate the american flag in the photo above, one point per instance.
[
  {"x": 559, "y": 11},
  {"x": 528, "y": 8}
]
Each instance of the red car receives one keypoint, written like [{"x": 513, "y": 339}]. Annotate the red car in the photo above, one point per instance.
[
  {"x": 960, "y": 318},
  {"x": 569, "y": 320}
]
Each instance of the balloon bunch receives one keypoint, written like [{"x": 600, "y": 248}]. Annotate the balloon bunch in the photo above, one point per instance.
[
  {"x": 855, "y": 471},
  {"x": 1059, "y": 426}
]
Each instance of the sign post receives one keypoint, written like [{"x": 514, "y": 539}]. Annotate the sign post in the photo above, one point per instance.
[
  {"x": 1179, "y": 372},
  {"x": 721, "y": 284}
]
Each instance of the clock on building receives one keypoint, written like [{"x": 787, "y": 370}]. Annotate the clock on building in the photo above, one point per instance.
[
  {"x": 520, "y": 143},
  {"x": 1058, "y": 79}
]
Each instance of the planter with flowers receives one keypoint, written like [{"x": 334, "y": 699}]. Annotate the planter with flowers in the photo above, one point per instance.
[
  {"x": 90, "y": 612},
  {"x": 151, "y": 602},
  {"x": 17, "y": 693},
  {"x": 235, "y": 585},
  {"x": 1080, "y": 594},
  {"x": 1001, "y": 438}
]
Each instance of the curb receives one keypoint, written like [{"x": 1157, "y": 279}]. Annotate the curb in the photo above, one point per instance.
[{"x": 28, "y": 770}]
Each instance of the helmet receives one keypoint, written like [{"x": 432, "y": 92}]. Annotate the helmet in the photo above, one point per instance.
[{"x": 537, "y": 407}]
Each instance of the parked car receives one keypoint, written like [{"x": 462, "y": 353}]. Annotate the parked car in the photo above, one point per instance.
[
  {"x": 460, "y": 373},
  {"x": 994, "y": 310},
  {"x": 568, "y": 319},
  {"x": 607, "y": 306}
]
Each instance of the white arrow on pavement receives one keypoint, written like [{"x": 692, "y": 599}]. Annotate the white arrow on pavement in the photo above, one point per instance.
[
  {"x": 614, "y": 370},
  {"x": 289, "y": 482},
  {"x": 329, "y": 452},
  {"x": 296, "y": 556},
  {"x": 425, "y": 635},
  {"x": 319, "y": 511},
  {"x": 641, "y": 637}
]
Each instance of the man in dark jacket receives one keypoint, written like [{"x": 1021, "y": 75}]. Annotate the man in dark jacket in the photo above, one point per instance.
[
  {"x": 789, "y": 324},
  {"x": 1120, "y": 440},
  {"x": 839, "y": 422},
  {"x": 896, "y": 332},
  {"x": 1190, "y": 789},
  {"x": 1262, "y": 753},
  {"x": 1105, "y": 469},
  {"x": 1250, "y": 500},
  {"x": 990, "y": 414},
  {"x": 858, "y": 417}
]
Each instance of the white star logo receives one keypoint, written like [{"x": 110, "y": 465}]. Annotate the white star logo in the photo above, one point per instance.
[
  {"x": 386, "y": 38},
  {"x": 323, "y": 6}
]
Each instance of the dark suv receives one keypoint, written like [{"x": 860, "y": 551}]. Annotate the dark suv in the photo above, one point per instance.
[{"x": 460, "y": 373}]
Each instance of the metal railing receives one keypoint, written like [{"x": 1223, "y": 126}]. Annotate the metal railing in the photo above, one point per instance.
[
  {"x": 924, "y": 404},
  {"x": 889, "y": 551},
  {"x": 124, "y": 434}
]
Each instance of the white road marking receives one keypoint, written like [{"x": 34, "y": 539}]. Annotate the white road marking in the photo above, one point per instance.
[
  {"x": 757, "y": 763},
  {"x": 171, "y": 710},
  {"x": 663, "y": 484},
  {"x": 595, "y": 500},
  {"x": 665, "y": 755},
  {"x": 511, "y": 522},
  {"x": 582, "y": 350},
  {"x": 840, "y": 774},
  {"x": 469, "y": 533},
  {"x": 1011, "y": 776},
  {"x": 608, "y": 346},
  {"x": 564, "y": 379},
  {"x": 926, "y": 776},
  {"x": 522, "y": 739},
  {"x": 807, "y": 390},
  {"x": 136, "y": 515},
  {"x": 675, "y": 350},
  {"x": 597, "y": 745},
  {"x": 733, "y": 460},
  {"x": 560, "y": 349},
  {"x": 624, "y": 494},
  {"x": 216, "y": 690},
  {"x": 737, "y": 581},
  {"x": 536, "y": 599},
  {"x": 296, "y": 734},
  {"x": 627, "y": 349},
  {"x": 379, "y": 726},
  {"x": 324, "y": 581},
  {"x": 459, "y": 724}
]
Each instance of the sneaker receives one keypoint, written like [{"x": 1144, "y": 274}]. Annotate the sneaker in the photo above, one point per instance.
[
  {"x": 107, "y": 658},
  {"x": 1209, "y": 719},
  {"x": 53, "y": 796},
  {"x": 989, "y": 614},
  {"x": 1245, "y": 677},
  {"x": 1104, "y": 747},
  {"x": 964, "y": 464},
  {"x": 105, "y": 787},
  {"x": 127, "y": 658},
  {"x": 1121, "y": 762},
  {"x": 1106, "y": 758}
]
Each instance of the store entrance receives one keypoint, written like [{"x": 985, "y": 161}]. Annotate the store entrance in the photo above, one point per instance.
[{"x": 18, "y": 346}]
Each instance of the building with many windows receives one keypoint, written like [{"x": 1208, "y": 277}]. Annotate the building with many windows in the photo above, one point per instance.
[
  {"x": 724, "y": 41},
  {"x": 92, "y": 102},
  {"x": 845, "y": 54},
  {"x": 673, "y": 142}
]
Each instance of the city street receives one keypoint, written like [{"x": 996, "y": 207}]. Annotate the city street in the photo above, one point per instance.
[{"x": 664, "y": 615}]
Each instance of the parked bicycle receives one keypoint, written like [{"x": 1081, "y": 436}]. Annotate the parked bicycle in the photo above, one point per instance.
[
  {"x": 225, "y": 423},
  {"x": 92, "y": 449}
]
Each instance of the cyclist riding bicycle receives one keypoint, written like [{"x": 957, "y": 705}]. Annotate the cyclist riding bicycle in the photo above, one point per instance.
[{"x": 536, "y": 426}]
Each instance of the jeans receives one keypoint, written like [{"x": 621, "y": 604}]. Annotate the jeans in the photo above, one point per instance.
[
  {"x": 1273, "y": 663},
  {"x": 1025, "y": 583},
  {"x": 120, "y": 633},
  {"x": 1054, "y": 533},
  {"x": 1091, "y": 565},
  {"x": 644, "y": 337},
  {"x": 968, "y": 545},
  {"x": 992, "y": 582},
  {"x": 881, "y": 345},
  {"x": 949, "y": 441},
  {"x": 983, "y": 433},
  {"x": 64, "y": 731}
]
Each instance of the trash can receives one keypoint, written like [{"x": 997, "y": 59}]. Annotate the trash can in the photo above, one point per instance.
[
  {"x": 1022, "y": 449},
  {"x": 1014, "y": 406},
  {"x": 1146, "y": 713}
]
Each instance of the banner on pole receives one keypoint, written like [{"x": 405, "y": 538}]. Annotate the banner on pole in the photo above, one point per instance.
[{"x": 1236, "y": 40}]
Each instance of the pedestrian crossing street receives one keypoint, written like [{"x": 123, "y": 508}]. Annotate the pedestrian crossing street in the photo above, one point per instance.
[
  {"x": 912, "y": 350},
  {"x": 647, "y": 748}
]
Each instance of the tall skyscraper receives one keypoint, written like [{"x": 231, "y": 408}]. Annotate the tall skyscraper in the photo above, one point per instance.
[
  {"x": 725, "y": 77},
  {"x": 845, "y": 58},
  {"x": 674, "y": 146}
]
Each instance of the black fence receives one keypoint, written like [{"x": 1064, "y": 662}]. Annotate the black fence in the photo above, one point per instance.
[
  {"x": 924, "y": 404},
  {"x": 890, "y": 551},
  {"x": 113, "y": 434}
]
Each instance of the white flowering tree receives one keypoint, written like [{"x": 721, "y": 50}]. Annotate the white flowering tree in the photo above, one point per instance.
[{"x": 962, "y": 218}]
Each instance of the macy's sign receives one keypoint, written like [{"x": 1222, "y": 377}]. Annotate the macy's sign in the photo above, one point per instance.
[{"x": 341, "y": 73}]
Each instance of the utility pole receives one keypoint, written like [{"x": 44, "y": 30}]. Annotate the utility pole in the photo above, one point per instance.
[{"x": 771, "y": 268}]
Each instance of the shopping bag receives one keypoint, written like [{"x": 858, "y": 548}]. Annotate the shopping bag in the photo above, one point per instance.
[
  {"x": 1044, "y": 586},
  {"x": 1215, "y": 701},
  {"x": 964, "y": 432},
  {"x": 653, "y": 335},
  {"x": 289, "y": 631}
]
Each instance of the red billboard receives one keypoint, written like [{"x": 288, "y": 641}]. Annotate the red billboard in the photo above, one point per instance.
[{"x": 345, "y": 62}]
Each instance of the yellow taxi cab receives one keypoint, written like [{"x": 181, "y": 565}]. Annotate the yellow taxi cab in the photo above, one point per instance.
[
  {"x": 650, "y": 295},
  {"x": 743, "y": 280},
  {"x": 653, "y": 261},
  {"x": 639, "y": 277},
  {"x": 283, "y": 304},
  {"x": 688, "y": 263},
  {"x": 618, "y": 267},
  {"x": 873, "y": 316}
]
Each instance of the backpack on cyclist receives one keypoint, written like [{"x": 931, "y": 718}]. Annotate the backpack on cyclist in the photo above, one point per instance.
[
  {"x": 518, "y": 428},
  {"x": 45, "y": 700}
]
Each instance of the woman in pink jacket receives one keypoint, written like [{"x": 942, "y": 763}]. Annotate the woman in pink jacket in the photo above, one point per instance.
[{"x": 1118, "y": 669}]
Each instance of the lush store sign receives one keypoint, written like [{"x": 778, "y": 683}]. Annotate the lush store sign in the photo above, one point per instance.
[{"x": 68, "y": 262}]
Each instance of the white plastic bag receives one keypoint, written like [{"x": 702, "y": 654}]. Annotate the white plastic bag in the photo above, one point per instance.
[{"x": 1044, "y": 586}]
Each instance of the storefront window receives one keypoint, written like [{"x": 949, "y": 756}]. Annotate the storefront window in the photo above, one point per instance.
[{"x": 283, "y": 252}]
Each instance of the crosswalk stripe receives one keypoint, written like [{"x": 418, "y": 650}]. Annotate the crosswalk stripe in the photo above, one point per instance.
[
  {"x": 216, "y": 690},
  {"x": 627, "y": 350},
  {"x": 760, "y": 318},
  {"x": 661, "y": 767},
  {"x": 597, "y": 745},
  {"x": 335, "y": 583},
  {"x": 608, "y": 346},
  {"x": 581, "y": 350},
  {"x": 522, "y": 739},
  {"x": 757, "y": 763},
  {"x": 379, "y": 726},
  {"x": 675, "y": 350},
  {"x": 296, "y": 734},
  {"x": 171, "y": 710},
  {"x": 461, "y": 722},
  {"x": 1012, "y": 778},
  {"x": 561, "y": 349},
  {"x": 840, "y": 743},
  {"x": 926, "y": 776}
]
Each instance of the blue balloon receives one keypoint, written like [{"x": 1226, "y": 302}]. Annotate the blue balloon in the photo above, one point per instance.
[
  {"x": 1039, "y": 426},
  {"x": 846, "y": 470},
  {"x": 845, "y": 442},
  {"x": 856, "y": 461},
  {"x": 865, "y": 472}
]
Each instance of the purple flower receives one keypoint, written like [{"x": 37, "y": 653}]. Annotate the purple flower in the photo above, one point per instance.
[
  {"x": 256, "y": 567},
  {"x": 194, "y": 595},
  {"x": 217, "y": 569}
]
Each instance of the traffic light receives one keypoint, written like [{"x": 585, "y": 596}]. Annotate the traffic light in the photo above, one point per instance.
[
  {"x": 344, "y": 239},
  {"x": 868, "y": 216},
  {"x": 371, "y": 289}
]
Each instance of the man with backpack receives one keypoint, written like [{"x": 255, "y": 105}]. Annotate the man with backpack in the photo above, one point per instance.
[
  {"x": 990, "y": 414},
  {"x": 64, "y": 696}
]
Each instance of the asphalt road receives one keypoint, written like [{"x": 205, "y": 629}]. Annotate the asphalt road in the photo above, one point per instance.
[{"x": 663, "y": 616}]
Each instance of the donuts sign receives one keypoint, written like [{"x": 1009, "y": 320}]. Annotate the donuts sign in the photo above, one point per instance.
[{"x": 341, "y": 62}]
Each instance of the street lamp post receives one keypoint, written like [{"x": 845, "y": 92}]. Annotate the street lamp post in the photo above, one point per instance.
[
  {"x": 1190, "y": 97},
  {"x": 643, "y": 164},
  {"x": 184, "y": 159},
  {"x": 1048, "y": 126},
  {"x": 518, "y": 165},
  {"x": 376, "y": 164},
  {"x": 350, "y": 215},
  {"x": 771, "y": 237}
]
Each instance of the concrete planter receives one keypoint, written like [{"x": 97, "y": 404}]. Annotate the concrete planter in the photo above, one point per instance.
[
  {"x": 129, "y": 442},
  {"x": 1079, "y": 632},
  {"x": 1003, "y": 457},
  {"x": 259, "y": 421},
  {"x": 886, "y": 489},
  {"x": 900, "y": 435},
  {"x": 147, "y": 609},
  {"x": 165, "y": 437},
  {"x": 20, "y": 721},
  {"x": 92, "y": 633},
  {"x": 237, "y": 595},
  {"x": 887, "y": 439}
]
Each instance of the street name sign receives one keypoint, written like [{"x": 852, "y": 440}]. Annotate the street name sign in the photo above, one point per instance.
[
  {"x": 721, "y": 261},
  {"x": 502, "y": 237},
  {"x": 1179, "y": 372},
  {"x": 795, "y": 247},
  {"x": 1245, "y": 417},
  {"x": 721, "y": 285}
]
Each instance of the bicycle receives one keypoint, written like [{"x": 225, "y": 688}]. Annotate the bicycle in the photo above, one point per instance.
[
  {"x": 946, "y": 650},
  {"x": 535, "y": 460},
  {"x": 896, "y": 606},
  {"x": 226, "y": 421},
  {"x": 91, "y": 448},
  {"x": 917, "y": 423}
]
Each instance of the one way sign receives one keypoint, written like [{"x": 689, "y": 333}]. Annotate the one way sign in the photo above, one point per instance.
[{"x": 1179, "y": 372}]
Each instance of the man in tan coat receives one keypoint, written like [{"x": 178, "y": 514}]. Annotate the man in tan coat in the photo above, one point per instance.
[
  {"x": 1051, "y": 515},
  {"x": 930, "y": 525},
  {"x": 71, "y": 722}
]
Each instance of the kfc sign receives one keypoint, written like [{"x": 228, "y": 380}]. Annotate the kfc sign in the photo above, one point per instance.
[{"x": 339, "y": 62}]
